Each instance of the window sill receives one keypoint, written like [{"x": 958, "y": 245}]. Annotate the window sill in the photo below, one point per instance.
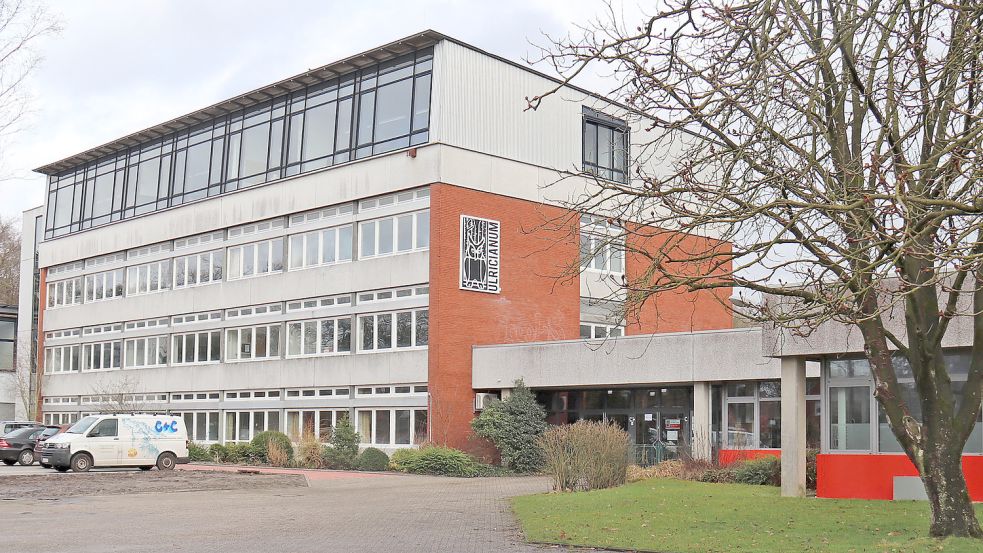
[
  {"x": 393, "y": 254},
  {"x": 199, "y": 285},
  {"x": 391, "y": 350},
  {"x": 316, "y": 355},
  {"x": 253, "y": 359},
  {"x": 319, "y": 265}
]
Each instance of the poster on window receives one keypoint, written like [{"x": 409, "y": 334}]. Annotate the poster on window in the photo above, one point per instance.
[{"x": 480, "y": 255}]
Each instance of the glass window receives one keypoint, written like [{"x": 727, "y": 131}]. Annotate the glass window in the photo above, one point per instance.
[
  {"x": 382, "y": 427},
  {"x": 770, "y": 424},
  {"x": 740, "y": 425},
  {"x": 605, "y": 147},
  {"x": 849, "y": 418}
]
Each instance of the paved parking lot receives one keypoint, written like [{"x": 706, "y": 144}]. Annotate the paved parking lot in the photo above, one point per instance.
[{"x": 345, "y": 512}]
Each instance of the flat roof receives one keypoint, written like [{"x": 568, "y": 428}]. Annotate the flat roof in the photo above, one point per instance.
[{"x": 327, "y": 72}]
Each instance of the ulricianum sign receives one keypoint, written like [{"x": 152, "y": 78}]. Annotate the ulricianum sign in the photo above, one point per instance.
[{"x": 480, "y": 254}]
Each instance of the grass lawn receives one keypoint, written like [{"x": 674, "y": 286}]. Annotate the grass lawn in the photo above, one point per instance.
[{"x": 673, "y": 516}]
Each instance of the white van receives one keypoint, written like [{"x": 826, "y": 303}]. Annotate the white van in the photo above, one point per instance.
[{"x": 119, "y": 441}]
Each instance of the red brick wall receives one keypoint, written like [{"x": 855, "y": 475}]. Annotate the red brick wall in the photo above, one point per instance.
[
  {"x": 534, "y": 305},
  {"x": 676, "y": 311}
]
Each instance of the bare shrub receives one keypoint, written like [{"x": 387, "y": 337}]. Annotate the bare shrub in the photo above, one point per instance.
[
  {"x": 276, "y": 454},
  {"x": 310, "y": 451},
  {"x": 586, "y": 455}
]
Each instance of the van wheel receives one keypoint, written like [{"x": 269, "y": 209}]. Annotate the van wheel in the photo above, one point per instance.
[
  {"x": 81, "y": 462},
  {"x": 61, "y": 469},
  {"x": 146, "y": 468},
  {"x": 166, "y": 461},
  {"x": 26, "y": 457},
  {"x": 45, "y": 465},
  {"x": 9, "y": 462}
]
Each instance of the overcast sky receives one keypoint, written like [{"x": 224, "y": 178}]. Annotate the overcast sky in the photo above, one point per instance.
[{"x": 119, "y": 66}]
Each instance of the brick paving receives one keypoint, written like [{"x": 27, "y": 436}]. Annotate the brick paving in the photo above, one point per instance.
[{"x": 339, "y": 513}]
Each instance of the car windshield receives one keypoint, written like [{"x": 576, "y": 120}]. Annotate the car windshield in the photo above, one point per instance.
[
  {"x": 22, "y": 432},
  {"x": 81, "y": 426},
  {"x": 49, "y": 432}
]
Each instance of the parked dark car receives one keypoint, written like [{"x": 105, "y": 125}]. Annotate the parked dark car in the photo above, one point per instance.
[
  {"x": 18, "y": 446},
  {"x": 48, "y": 432},
  {"x": 10, "y": 426}
]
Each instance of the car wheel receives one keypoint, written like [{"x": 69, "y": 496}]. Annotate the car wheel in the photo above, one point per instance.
[
  {"x": 9, "y": 462},
  {"x": 166, "y": 461},
  {"x": 45, "y": 465},
  {"x": 81, "y": 462},
  {"x": 26, "y": 458},
  {"x": 146, "y": 468}
]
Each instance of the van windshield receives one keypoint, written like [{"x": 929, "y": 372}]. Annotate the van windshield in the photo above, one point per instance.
[{"x": 81, "y": 426}]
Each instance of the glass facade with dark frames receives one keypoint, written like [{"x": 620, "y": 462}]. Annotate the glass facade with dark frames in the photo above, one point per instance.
[{"x": 371, "y": 111}]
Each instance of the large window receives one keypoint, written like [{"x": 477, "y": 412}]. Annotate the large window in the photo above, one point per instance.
[
  {"x": 148, "y": 278},
  {"x": 65, "y": 292},
  {"x": 382, "y": 331},
  {"x": 397, "y": 234},
  {"x": 60, "y": 359},
  {"x": 853, "y": 407},
  {"x": 102, "y": 355},
  {"x": 202, "y": 425},
  {"x": 7, "y": 339},
  {"x": 320, "y": 422},
  {"x": 197, "y": 347},
  {"x": 321, "y": 247},
  {"x": 252, "y": 342},
  {"x": 602, "y": 245},
  {"x": 753, "y": 412},
  {"x": 392, "y": 426},
  {"x": 241, "y": 426},
  {"x": 605, "y": 146},
  {"x": 319, "y": 337},
  {"x": 149, "y": 351},
  {"x": 376, "y": 109},
  {"x": 104, "y": 285},
  {"x": 199, "y": 268},
  {"x": 257, "y": 258}
]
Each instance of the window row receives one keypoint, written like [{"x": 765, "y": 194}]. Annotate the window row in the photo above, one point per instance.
[
  {"x": 379, "y": 331},
  {"x": 373, "y": 110},
  {"x": 388, "y": 236}
]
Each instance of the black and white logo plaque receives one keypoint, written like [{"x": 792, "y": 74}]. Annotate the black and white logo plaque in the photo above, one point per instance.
[{"x": 480, "y": 255}]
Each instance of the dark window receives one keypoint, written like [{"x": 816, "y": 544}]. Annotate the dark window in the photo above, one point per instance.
[
  {"x": 605, "y": 146},
  {"x": 107, "y": 428},
  {"x": 386, "y": 107}
]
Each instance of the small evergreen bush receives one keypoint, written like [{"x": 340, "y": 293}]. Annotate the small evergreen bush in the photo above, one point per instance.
[
  {"x": 514, "y": 425},
  {"x": 372, "y": 459},
  {"x": 198, "y": 453},
  {"x": 718, "y": 475},
  {"x": 766, "y": 471},
  {"x": 345, "y": 440},
  {"x": 333, "y": 459},
  {"x": 236, "y": 453},
  {"x": 261, "y": 443}
]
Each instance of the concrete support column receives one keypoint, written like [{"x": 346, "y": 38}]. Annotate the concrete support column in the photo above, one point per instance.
[
  {"x": 793, "y": 427},
  {"x": 702, "y": 423}
]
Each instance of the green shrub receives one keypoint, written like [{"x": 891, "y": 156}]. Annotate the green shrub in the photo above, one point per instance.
[
  {"x": 402, "y": 458},
  {"x": 586, "y": 455},
  {"x": 766, "y": 471},
  {"x": 718, "y": 475},
  {"x": 514, "y": 425},
  {"x": 237, "y": 453},
  {"x": 372, "y": 459},
  {"x": 217, "y": 452},
  {"x": 260, "y": 443},
  {"x": 345, "y": 440},
  {"x": 198, "y": 453},
  {"x": 331, "y": 458},
  {"x": 437, "y": 460}
]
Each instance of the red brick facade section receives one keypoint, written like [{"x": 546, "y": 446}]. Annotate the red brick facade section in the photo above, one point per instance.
[
  {"x": 679, "y": 310},
  {"x": 534, "y": 304}
]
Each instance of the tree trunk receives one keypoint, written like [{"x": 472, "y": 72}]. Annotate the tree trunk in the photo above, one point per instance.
[{"x": 952, "y": 510}]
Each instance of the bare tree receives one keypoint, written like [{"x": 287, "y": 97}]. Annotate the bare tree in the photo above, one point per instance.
[
  {"x": 22, "y": 23},
  {"x": 23, "y": 379},
  {"x": 837, "y": 146},
  {"x": 116, "y": 395},
  {"x": 9, "y": 261}
]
